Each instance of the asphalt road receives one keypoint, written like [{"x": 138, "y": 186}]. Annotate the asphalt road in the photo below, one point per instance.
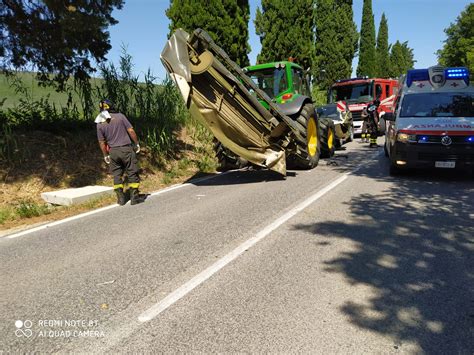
[{"x": 340, "y": 259}]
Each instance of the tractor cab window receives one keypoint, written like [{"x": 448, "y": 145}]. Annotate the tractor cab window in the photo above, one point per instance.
[
  {"x": 298, "y": 81},
  {"x": 271, "y": 80}
]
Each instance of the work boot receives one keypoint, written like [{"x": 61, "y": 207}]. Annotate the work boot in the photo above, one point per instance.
[
  {"x": 120, "y": 196},
  {"x": 134, "y": 196},
  {"x": 373, "y": 143}
]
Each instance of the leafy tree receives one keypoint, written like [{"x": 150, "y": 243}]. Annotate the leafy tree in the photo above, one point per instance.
[
  {"x": 226, "y": 21},
  {"x": 60, "y": 37},
  {"x": 367, "y": 60},
  {"x": 401, "y": 59},
  {"x": 458, "y": 49},
  {"x": 286, "y": 30},
  {"x": 383, "y": 50},
  {"x": 336, "y": 41}
]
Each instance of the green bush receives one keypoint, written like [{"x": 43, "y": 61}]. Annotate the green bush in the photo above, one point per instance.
[
  {"x": 5, "y": 214},
  {"x": 206, "y": 164},
  {"x": 28, "y": 209}
]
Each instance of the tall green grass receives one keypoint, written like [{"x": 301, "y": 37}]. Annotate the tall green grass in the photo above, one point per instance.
[{"x": 155, "y": 109}]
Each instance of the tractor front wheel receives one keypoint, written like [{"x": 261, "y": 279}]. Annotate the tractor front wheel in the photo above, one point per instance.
[
  {"x": 308, "y": 151},
  {"x": 328, "y": 136}
]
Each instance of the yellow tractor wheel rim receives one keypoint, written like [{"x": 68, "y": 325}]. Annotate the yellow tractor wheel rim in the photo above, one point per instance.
[
  {"x": 312, "y": 134},
  {"x": 330, "y": 139}
]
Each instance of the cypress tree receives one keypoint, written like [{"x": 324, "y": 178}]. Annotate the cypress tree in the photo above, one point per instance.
[
  {"x": 336, "y": 41},
  {"x": 286, "y": 31},
  {"x": 367, "y": 61},
  {"x": 226, "y": 21},
  {"x": 401, "y": 59},
  {"x": 382, "y": 53},
  {"x": 348, "y": 36}
]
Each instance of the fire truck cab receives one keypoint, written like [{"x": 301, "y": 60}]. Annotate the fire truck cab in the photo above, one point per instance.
[{"x": 358, "y": 92}]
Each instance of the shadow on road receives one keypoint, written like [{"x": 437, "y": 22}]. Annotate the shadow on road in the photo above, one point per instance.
[
  {"x": 415, "y": 245},
  {"x": 238, "y": 177}
]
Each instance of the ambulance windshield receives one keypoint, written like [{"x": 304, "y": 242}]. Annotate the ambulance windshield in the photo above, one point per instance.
[{"x": 438, "y": 105}]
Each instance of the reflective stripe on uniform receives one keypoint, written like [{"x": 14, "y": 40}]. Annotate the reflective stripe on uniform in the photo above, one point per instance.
[
  {"x": 118, "y": 186},
  {"x": 133, "y": 185}
]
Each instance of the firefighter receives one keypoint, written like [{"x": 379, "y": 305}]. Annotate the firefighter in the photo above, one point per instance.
[
  {"x": 373, "y": 123},
  {"x": 115, "y": 135},
  {"x": 364, "y": 136}
]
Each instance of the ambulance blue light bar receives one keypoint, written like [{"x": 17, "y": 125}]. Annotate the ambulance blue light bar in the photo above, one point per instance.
[
  {"x": 460, "y": 73},
  {"x": 417, "y": 75},
  {"x": 456, "y": 72}
]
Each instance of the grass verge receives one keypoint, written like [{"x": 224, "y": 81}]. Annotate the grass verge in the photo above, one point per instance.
[{"x": 52, "y": 162}]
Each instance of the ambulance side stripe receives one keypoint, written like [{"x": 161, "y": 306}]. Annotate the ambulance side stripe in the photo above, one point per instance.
[{"x": 437, "y": 133}]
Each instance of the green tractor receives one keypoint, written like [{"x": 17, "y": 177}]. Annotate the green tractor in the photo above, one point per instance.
[
  {"x": 285, "y": 84},
  {"x": 262, "y": 115}
]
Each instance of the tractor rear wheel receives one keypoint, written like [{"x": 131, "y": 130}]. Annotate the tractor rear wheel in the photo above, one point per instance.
[
  {"x": 307, "y": 155},
  {"x": 328, "y": 136}
]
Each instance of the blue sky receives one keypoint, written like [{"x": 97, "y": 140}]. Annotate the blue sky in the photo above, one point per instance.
[{"x": 143, "y": 27}]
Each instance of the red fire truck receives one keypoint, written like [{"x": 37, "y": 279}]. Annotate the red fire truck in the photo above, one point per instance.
[{"x": 358, "y": 92}]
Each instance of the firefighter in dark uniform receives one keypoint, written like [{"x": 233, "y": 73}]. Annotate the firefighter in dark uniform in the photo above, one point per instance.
[
  {"x": 373, "y": 123},
  {"x": 115, "y": 135},
  {"x": 364, "y": 136}
]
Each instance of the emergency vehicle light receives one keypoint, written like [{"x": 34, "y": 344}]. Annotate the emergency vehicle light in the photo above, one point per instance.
[
  {"x": 417, "y": 75},
  {"x": 457, "y": 73}
]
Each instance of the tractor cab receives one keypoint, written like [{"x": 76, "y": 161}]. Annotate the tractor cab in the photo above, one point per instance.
[{"x": 283, "y": 81}]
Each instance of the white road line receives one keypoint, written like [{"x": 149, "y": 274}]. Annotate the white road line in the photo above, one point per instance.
[
  {"x": 82, "y": 215},
  {"x": 182, "y": 291},
  {"x": 52, "y": 224}
]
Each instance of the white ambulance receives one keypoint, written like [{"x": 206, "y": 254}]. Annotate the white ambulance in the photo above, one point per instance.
[{"x": 432, "y": 125}]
